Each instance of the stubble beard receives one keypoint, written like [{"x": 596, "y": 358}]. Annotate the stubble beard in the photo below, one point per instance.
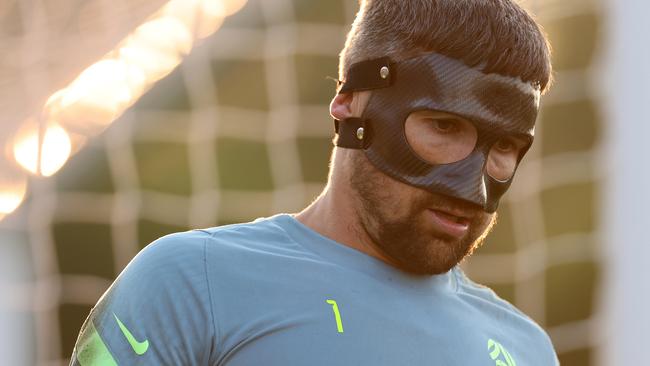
[{"x": 402, "y": 233}]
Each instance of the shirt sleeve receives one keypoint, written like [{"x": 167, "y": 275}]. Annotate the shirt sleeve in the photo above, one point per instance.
[{"x": 157, "y": 312}]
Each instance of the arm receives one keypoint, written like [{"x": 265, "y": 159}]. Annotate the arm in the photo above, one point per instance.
[{"x": 157, "y": 312}]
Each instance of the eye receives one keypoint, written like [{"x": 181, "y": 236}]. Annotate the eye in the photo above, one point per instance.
[
  {"x": 506, "y": 145},
  {"x": 445, "y": 125},
  {"x": 440, "y": 138}
]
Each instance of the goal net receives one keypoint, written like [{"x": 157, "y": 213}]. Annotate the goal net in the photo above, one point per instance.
[{"x": 241, "y": 130}]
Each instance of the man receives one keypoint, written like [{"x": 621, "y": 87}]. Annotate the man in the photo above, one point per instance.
[{"x": 436, "y": 108}]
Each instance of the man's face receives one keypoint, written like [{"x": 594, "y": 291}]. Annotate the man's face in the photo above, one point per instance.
[{"x": 421, "y": 232}]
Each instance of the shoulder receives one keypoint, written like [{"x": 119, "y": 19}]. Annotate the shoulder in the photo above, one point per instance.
[
  {"x": 171, "y": 262},
  {"x": 186, "y": 244},
  {"x": 215, "y": 250},
  {"x": 169, "y": 255},
  {"x": 266, "y": 235},
  {"x": 189, "y": 248},
  {"x": 505, "y": 314},
  {"x": 166, "y": 280},
  {"x": 264, "y": 227},
  {"x": 468, "y": 287}
]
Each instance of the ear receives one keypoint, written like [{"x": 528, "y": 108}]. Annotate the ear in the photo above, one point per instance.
[{"x": 341, "y": 106}]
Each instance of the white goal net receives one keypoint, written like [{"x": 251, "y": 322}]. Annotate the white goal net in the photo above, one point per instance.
[{"x": 241, "y": 130}]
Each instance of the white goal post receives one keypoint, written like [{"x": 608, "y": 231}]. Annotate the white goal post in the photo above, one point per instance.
[{"x": 625, "y": 219}]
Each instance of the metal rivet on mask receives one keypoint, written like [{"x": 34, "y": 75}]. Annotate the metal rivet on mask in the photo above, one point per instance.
[
  {"x": 360, "y": 133},
  {"x": 383, "y": 72}
]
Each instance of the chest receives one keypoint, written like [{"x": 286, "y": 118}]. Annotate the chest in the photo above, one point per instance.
[{"x": 332, "y": 321}]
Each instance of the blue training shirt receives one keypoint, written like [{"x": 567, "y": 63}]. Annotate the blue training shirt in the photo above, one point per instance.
[{"x": 274, "y": 292}]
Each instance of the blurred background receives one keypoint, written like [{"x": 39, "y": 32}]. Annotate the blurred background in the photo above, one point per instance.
[{"x": 123, "y": 121}]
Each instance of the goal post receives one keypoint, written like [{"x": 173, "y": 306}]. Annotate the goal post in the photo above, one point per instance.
[{"x": 625, "y": 296}]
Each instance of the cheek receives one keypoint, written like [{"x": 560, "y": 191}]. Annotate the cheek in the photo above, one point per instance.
[
  {"x": 397, "y": 201},
  {"x": 483, "y": 222}
]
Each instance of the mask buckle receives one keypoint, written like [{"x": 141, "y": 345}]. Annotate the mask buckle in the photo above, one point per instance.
[{"x": 352, "y": 133}]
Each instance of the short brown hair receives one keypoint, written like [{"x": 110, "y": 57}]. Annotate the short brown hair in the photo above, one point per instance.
[{"x": 496, "y": 35}]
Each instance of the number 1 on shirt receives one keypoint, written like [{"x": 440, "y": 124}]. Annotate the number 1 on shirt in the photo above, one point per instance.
[{"x": 337, "y": 315}]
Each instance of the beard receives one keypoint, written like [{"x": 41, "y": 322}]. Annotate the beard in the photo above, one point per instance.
[{"x": 395, "y": 217}]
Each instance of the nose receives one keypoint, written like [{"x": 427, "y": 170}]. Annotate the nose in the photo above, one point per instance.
[{"x": 463, "y": 180}]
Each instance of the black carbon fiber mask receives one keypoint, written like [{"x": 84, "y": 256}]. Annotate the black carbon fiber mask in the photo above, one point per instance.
[{"x": 497, "y": 106}]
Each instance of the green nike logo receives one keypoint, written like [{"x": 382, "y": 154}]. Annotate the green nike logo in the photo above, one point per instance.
[{"x": 138, "y": 347}]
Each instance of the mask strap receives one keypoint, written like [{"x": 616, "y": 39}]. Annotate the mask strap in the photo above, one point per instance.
[
  {"x": 368, "y": 75},
  {"x": 352, "y": 133}
]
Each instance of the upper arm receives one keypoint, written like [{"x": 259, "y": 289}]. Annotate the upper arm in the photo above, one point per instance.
[{"x": 157, "y": 312}]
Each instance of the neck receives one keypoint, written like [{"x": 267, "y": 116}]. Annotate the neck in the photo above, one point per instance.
[{"x": 334, "y": 215}]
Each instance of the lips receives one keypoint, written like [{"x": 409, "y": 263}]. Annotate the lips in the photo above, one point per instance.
[
  {"x": 451, "y": 222},
  {"x": 451, "y": 217}
]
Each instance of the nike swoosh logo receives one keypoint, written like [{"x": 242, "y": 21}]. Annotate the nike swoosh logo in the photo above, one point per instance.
[{"x": 138, "y": 347}]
